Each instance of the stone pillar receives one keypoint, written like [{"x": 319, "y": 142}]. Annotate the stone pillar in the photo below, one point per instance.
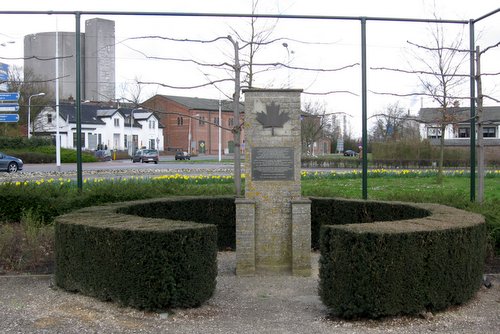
[
  {"x": 272, "y": 184},
  {"x": 301, "y": 237},
  {"x": 245, "y": 237}
]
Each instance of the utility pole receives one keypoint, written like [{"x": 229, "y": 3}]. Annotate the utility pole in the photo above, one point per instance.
[
  {"x": 479, "y": 130},
  {"x": 237, "y": 129}
]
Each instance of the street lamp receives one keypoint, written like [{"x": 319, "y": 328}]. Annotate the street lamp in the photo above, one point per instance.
[
  {"x": 285, "y": 45},
  {"x": 7, "y": 42},
  {"x": 29, "y": 112}
]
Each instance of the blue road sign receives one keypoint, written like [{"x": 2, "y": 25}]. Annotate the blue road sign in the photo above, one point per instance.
[
  {"x": 9, "y": 107},
  {"x": 9, "y": 118},
  {"x": 13, "y": 96}
]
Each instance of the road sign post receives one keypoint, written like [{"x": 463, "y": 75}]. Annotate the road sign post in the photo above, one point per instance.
[
  {"x": 9, "y": 118},
  {"x": 9, "y": 107},
  {"x": 9, "y": 97}
]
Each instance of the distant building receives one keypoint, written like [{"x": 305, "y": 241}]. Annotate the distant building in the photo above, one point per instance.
[
  {"x": 102, "y": 126},
  {"x": 190, "y": 123},
  {"x": 457, "y": 133},
  {"x": 97, "y": 66}
]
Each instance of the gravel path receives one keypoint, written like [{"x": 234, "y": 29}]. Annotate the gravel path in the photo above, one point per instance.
[{"x": 272, "y": 304}]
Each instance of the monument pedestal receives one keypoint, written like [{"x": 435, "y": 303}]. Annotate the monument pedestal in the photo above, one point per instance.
[{"x": 273, "y": 224}]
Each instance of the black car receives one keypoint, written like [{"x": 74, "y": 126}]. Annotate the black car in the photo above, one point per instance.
[
  {"x": 350, "y": 153},
  {"x": 9, "y": 163},
  {"x": 146, "y": 155},
  {"x": 182, "y": 156}
]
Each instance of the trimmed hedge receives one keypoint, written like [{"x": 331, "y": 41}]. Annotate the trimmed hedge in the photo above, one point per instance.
[
  {"x": 219, "y": 211},
  {"x": 377, "y": 258},
  {"x": 140, "y": 262},
  {"x": 331, "y": 211},
  {"x": 375, "y": 269}
]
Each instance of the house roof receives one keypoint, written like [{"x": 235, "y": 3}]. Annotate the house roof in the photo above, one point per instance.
[
  {"x": 196, "y": 103},
  {"x": 92, "y": 113},
  {"x": 462, "y": 114}
]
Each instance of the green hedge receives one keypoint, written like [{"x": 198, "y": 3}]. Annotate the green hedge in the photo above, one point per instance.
[
  {"x": 401, "y": 267},
  {"x": 219, "y": 211},
  {"x": 331, "y": 211},
  {"x": 140, "y": 262}
]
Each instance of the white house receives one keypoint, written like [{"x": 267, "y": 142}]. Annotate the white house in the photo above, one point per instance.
[
  {"x": 102, "y": 127},
  {"x": 457, "y": 131}
]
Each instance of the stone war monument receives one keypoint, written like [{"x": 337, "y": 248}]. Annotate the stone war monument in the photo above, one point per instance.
[{"x": 273, "y": 221}]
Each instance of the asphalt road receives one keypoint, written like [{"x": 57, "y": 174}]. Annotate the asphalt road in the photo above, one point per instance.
[{"x": 122, "y": 164}]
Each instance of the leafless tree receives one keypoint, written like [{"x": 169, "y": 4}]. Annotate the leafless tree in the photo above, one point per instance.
[
  {"x": 27, "y": 84},
  {"x": 313, "y": 125},
  {"x": 132, "y": 93},
  {"x": 394, "y": 123},
  {"x": 441, "y": 75}
]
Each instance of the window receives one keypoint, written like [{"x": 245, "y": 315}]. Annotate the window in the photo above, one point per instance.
[
  {"x": 433, "y": 133},
  {"x": 125, "y": 141},
  {"x": 75, "y": 141},
  {"x": 49, "y": 118},
  {"x": 230, "y": 122},
  {"x": 180, "y": 121},
  {"x": 489, "y": 132},
  {"x": 463, "y": 132},
  {"x": 216, "y": 120},
  {"x": 116, "y": 122},
  {"x": 152, "y": 124},
  {"x": 201, "y": 120}
]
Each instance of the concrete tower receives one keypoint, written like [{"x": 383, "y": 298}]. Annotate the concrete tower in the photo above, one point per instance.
[
  {"x": 99, "y": 60},
  {"x": 40, "y": 58},
  {"x": 97, "y": 66}
]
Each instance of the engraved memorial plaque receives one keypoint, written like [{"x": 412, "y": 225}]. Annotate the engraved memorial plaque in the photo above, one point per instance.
[{"x": 272, "y": 163}]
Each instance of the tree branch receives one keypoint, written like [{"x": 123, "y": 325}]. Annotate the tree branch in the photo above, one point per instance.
[
  {"x": 330, "y": 92},
  {"x": 418, "y": 72},
  {"x": 183, "y": 87}
]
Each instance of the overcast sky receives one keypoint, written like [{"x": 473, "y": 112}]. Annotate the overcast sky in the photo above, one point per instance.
[{"x": 311, "y": 44}]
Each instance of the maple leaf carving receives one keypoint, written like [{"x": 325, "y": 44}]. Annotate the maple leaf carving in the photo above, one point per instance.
[{"x": 273, "y": 118}]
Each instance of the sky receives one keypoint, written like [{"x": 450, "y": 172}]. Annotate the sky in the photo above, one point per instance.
[{"x": 311, "y": 44}]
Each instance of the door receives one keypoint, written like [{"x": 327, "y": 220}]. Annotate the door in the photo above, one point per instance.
[{"x": 201, "y": 147}]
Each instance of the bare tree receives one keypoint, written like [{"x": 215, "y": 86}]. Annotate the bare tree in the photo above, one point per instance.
[
  {"x": 441, "y": 79},
  {"x": 313, "y": 126},
  {"x": 132, "y": 93},
  {"x": 394, "y": 123},
  {"x": 27, "y": 84},
  {"x": 442, "y": 83}
]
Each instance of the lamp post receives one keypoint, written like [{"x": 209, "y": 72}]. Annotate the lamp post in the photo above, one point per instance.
[
  {"x": 285, "y": 45},
  {"x": 29, "y": 112}
]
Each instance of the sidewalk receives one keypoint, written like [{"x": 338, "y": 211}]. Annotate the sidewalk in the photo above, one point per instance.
[{"x": 271, "y": 304}]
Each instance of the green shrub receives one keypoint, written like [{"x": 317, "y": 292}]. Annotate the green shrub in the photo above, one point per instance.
[
  {"x": 140, "y": 262},
  {"x": 326, "y": 211},
  {"x": 219, "y": 211},
  {"x": 23, "y": 142},
  {"x": 402, "y": 267}
]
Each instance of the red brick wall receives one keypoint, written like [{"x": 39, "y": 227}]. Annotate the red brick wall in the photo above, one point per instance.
[{"x": 176, "y": 136}]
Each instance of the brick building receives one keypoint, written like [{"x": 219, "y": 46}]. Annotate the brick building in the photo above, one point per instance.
[{"x": 194, "y": 120}]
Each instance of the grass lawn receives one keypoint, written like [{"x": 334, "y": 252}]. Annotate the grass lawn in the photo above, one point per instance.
[{"x": 453, "y": 190}]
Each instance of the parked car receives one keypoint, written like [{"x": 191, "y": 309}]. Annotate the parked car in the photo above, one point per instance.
[
  {"x": 103, "y": 155},
  {"x": 182, "y": 156},
  {"x": 146, "y": 155},
  {"x": 9, "y": 163},
  {"x": 350, "y": 153}
]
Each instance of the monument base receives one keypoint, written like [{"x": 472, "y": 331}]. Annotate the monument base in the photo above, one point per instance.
[{"x": 247, "y": 255}]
